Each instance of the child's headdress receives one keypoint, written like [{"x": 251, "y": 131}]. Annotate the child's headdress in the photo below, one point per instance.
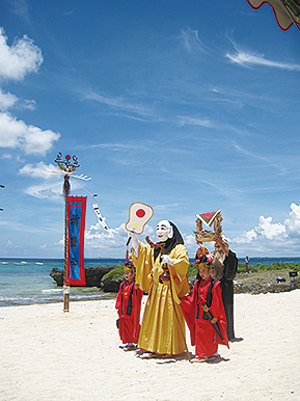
[
  {"x": 128, "y": 266},
  {"x": 205, "y": 261}
]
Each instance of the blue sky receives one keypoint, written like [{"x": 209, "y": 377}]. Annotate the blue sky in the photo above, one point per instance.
[{"x": 187, "y": 106}]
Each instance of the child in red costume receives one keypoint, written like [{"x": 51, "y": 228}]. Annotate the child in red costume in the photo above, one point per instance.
[
  {"x": 128, "y": 304},
  {"x": 202, "y": 324}
]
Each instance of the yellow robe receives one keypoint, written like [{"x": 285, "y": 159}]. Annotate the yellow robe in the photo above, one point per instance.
[{"x": 162, "y": 331}]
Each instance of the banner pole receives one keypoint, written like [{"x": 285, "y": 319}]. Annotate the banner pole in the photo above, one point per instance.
[
  {"x": 66, "y": 288},
  {"x": 68, "y": 165}
]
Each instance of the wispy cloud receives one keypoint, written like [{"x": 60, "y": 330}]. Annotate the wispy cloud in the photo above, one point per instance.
[
  {"x": 247, "y": 59},
  {"x": 243, "y": 151},
  {"x": 202, "y": 122},
  {"x": 119, "y": 146},
  {"x": 53, "y": 192},
  {"x": 118, "y": 103},
  {"x": 191, "y": 40}
]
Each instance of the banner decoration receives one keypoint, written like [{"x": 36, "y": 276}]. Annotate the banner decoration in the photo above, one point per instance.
[
  {"x": 101, "y": 218},
  {"x": 139, "y": 215},
  {"x": 76, "y": 209}
]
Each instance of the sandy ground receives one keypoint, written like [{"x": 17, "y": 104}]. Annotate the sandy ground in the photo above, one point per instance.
[{"x": 47, "y": 354}]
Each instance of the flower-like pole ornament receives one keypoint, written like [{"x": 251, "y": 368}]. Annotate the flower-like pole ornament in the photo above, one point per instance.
[{"x": 68, "y": 166}]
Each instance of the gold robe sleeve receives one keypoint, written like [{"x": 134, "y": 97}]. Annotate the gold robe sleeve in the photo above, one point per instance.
[{"x": 143, "y": 265}]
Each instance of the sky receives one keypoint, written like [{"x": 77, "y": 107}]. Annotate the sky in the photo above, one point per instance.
[{"x": 186, "y": 106}]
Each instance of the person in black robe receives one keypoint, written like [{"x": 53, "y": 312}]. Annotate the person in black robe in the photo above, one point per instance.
[{"x": 229, "y": 261}]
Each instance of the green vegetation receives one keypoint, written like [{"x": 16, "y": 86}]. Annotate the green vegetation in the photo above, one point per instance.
[
  {"x": 273, "y": 267},
  {"x": 192, "y": 270},
  {"x": 115, "y": 273}
]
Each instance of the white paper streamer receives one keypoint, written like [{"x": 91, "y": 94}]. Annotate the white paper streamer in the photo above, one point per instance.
[{"x": 101, "y": 219}]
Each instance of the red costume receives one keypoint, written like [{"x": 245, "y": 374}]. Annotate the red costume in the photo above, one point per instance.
[
  {"x": 128, "y": 304},
  {"x": 202, "y": 331}
]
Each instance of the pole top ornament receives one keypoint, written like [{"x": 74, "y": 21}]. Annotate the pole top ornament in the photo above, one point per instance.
[{"x": 67, "y": 165}]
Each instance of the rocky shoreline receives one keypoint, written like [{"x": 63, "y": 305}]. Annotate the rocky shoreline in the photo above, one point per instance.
[
  {"x": 93, "y": 275},
  {"x": 260, "y": 282}
]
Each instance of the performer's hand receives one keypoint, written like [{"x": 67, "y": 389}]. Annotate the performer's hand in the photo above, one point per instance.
[
  {"x": 214, "y": 320},
  {"x": 165, "y": 276},
  {"x": 165, "y": 259},
  {"x": 219, "y": 242}
]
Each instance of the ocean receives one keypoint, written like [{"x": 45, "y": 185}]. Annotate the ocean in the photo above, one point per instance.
[{"x": 27, "y": 281}]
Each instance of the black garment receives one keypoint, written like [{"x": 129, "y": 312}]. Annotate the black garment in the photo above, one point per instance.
[{"x": 230, "y": 265}]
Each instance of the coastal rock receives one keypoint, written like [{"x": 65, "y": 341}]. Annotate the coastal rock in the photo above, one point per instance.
[
  {"x": 111, "y": 284},
  {"x": 57, "y": 276},
  {"x": 258, "y": 288},
  {"x": 93, "y": 275}
]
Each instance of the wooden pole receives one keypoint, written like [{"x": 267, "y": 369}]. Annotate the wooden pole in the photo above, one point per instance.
[{"x": 66, "y": 288}]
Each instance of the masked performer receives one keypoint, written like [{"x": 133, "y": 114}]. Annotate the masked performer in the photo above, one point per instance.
[
  {"x": 207, "y": 328},
  {"x": 162, "y": 272},
  {"x": 226, "y": 261},
  {"x": 128, "y": 305}
]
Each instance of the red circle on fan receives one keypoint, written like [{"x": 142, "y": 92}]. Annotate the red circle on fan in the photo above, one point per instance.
[{"x": 140, "y": 213}]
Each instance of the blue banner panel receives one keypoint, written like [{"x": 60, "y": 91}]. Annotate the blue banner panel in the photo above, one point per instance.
[{"x": 76, "y": 209}]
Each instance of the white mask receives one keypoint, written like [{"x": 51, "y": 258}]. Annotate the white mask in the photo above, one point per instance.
[{"x": 164, "y": 230}]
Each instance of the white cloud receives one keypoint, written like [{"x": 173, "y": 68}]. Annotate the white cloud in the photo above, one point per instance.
[
  {"x": 16, "y": 61},
  {"x": 7, "y": 100},
  {"x": 7, "y": 156},
  {"x": 37, "y": 170},
  {"x": 267, "y": 232},
  {"x": 50, "y": 190},
  {"x": 16, "y": 134},
  {"x": 270, "y": 230},
  {"x": 245, "y": 59},
  {"x": 247, "y": 237},
  {"x": 293, "y": 223},
  {"x": 97, "y": 238},
  {"x": 22, "y": 58},
  {"x": 27, "y": 104}
]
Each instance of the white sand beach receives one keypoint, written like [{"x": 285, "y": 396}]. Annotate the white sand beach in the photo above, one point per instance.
[{"x": 47, "y": 354}]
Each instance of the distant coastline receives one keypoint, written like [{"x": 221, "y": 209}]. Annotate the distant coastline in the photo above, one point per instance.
[
  {"x": 254, "y": 260},
  {"x": 27, "y": 281}
]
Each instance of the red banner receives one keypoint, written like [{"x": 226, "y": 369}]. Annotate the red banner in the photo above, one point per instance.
[{"x": 76, "y": 209}]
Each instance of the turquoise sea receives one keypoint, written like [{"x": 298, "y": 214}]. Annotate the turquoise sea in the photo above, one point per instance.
[{"x": 27, "y": 281}]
